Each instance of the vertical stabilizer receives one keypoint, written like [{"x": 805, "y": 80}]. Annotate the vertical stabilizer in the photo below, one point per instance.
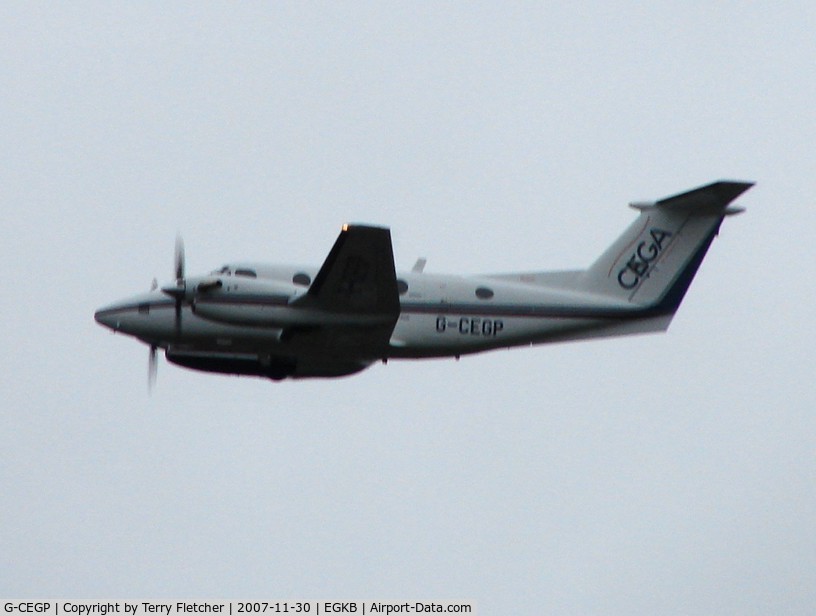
[{"x": 653, "y": 263}]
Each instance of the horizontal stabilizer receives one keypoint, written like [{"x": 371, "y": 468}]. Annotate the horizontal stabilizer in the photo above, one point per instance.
[{"x": 714, "y": 196}]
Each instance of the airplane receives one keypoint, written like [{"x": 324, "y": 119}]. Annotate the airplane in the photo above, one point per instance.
[{"x": 286, "y": 321}]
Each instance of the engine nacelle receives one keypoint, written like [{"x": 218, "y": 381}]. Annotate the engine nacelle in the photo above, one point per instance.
[
  {"x": 255, "y": 303},
  {"x": 240, "y": 301},
  {"x": 238, "y": 364},
  {"x": 248, "y": 364}
]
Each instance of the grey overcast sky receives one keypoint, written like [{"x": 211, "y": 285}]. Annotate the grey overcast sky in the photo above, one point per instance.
[{"x": 670, "y": 474}]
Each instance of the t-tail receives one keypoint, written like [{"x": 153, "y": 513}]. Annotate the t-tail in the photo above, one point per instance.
[{"x": 653, "y": 263}]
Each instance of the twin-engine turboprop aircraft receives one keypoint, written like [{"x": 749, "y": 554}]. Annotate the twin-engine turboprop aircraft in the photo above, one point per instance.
[{"x": 282, "y": 321}]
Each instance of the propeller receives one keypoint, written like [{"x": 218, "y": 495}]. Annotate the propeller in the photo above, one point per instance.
[
  {"x": 152, "y": 368},
  {"x": 181, "y": 284},
  {"x": 178, "y": 292},
  {"x": 178, "y": 258}
]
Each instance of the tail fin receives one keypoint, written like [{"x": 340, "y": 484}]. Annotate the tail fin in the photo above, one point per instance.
[{"x": 653, "y": 263}]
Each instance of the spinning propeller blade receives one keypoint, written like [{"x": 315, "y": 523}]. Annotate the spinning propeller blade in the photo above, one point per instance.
[
  {"x": 179, "y": 259},
  {"x": 152, "y": 368},
  {"x": 178, "y": 292}
]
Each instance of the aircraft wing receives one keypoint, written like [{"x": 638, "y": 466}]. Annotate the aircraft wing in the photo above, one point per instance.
[
  {"x": 358, "y": 276},
  {"x": 357, "y": 279}
]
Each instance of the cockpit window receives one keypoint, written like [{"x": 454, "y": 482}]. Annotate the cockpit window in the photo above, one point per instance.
[
  {"x": 225, "y": 271},
  {"x": 248, "y": 273}
]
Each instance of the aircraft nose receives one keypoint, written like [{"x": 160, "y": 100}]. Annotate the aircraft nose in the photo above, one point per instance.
[{"x": 107, "y": 317}]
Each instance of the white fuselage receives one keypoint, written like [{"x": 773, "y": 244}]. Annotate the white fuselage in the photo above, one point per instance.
[
  {"x": 285, "y": 321},
  {"x": 440, "y": 315}
]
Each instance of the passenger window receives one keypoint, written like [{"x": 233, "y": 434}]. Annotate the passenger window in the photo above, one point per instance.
[
  {"x": 302, "y": 279},
  {"x": 248, "y": 273},
  {"x": 484, "y": 293}
]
